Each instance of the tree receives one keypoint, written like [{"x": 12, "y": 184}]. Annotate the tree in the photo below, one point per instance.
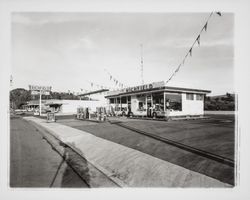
[{"x": 19, "y": 97}]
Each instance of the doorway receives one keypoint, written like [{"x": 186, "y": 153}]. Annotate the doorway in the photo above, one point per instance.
[{"x": 149, "y": 105}]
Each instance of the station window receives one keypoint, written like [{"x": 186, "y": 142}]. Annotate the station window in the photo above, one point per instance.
[
  {"x": 174, "y": 102},
  {"x": 189, "y": 96},
  {"x": 112, "y": 100},
  {"x": 141, "y": 102},
  {"x": 124, "y": 99},
  {"x": 199, "y": 97},
  {"x": 158, "y": 101},
  {"x": 140, "y": 106},
  {"x": 129, "y": 99}
]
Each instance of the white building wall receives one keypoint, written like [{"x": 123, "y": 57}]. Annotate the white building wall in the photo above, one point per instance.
[
  {"x": 70, "y": 106},
  {"x": 100, "y": 97},
  {"x": 190, "y": 107},
  {"x": 134, "y": 104}
]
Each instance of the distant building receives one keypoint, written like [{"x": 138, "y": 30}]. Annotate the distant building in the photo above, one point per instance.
[
  {"x": 62, "y": 106},
  {"x": 95, "y": 99}
]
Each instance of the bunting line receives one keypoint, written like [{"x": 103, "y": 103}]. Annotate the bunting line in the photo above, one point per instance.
[
  {"x": 112, "y": 78},
  {"x": 99, "y": 86},
  {"x": 197, "y": 40}
]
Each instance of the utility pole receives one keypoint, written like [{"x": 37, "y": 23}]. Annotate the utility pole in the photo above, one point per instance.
[
  {"x": 11, "y": 83},
  {"x": 40, "y": 103},
  {"x": 142, "y": 81}
]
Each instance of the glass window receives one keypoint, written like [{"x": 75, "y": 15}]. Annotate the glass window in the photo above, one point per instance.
[
  {"x": 189, "y": 96},
  {"x": 199, "y": 97},
  {"x": 158, "y": 101},
  {"x": 117, "y": 108},
  {"x": 124, "y": 100},
  {"x": 112, "y": 100},
  {"x": 140, "y": 105},
  {"x": 173, "y": 102},
  {"x": 129, "y": 98}
]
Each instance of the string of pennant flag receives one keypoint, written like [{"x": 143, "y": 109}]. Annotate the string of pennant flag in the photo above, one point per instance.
[
  {"x": 99, "y": 86},
  {"x": 189, "y": 53},
  {"x": 92, "y": 85},
  {"x": 113, "y": 79},
  {"x": 196, "y": 41}
]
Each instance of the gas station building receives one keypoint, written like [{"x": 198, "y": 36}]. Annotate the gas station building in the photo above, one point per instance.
[{"x": 156, "y": 99}]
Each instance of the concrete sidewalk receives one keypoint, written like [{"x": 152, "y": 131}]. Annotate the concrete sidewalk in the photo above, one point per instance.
[{"x": 125, "y": 166}]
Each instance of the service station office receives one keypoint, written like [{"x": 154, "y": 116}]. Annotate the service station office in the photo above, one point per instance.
[{"x": 156, "y": 99}]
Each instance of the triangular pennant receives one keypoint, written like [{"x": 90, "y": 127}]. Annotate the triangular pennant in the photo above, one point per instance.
[
  {"x": 218, "y": 13},
  {"x": 178, "y": 68},
  {"x": 198, "y": 39},
  {"x": 205, "y": 27},
  {"x": 190, "y": 52}
]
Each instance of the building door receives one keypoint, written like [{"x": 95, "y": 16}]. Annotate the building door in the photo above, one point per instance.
[
  {"x": 129, "y": 104},
  {"x": 149, "y": 106}
]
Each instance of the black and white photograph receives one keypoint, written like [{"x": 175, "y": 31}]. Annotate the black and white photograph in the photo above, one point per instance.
[{"x": 123, "y": 99}]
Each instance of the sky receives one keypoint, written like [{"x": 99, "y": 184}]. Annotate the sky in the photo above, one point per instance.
[{"x": 68, "y": 51}]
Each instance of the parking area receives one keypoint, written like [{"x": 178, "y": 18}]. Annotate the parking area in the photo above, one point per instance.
[{"x": 215, "y": 135}]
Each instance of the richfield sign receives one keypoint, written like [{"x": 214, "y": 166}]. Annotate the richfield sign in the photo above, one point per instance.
[
  {"x": 145, "y": 87},
  {"x": 36, "y": 89},
  {"x": 139, "y": 88}
]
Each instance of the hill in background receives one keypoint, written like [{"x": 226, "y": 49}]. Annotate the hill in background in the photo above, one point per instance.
[{"x": 220, "y": 102}]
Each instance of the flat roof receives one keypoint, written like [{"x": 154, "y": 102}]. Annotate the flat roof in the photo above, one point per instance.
[
  {"x": 159, "y": 89},
  {"x": 93, "y": 92}
]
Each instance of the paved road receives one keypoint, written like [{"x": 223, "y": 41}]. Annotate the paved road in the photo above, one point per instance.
[{"x": 33, "y": 163}]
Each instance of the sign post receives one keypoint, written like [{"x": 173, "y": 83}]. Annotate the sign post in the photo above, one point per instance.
[{"x": 35, "y": 90}]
